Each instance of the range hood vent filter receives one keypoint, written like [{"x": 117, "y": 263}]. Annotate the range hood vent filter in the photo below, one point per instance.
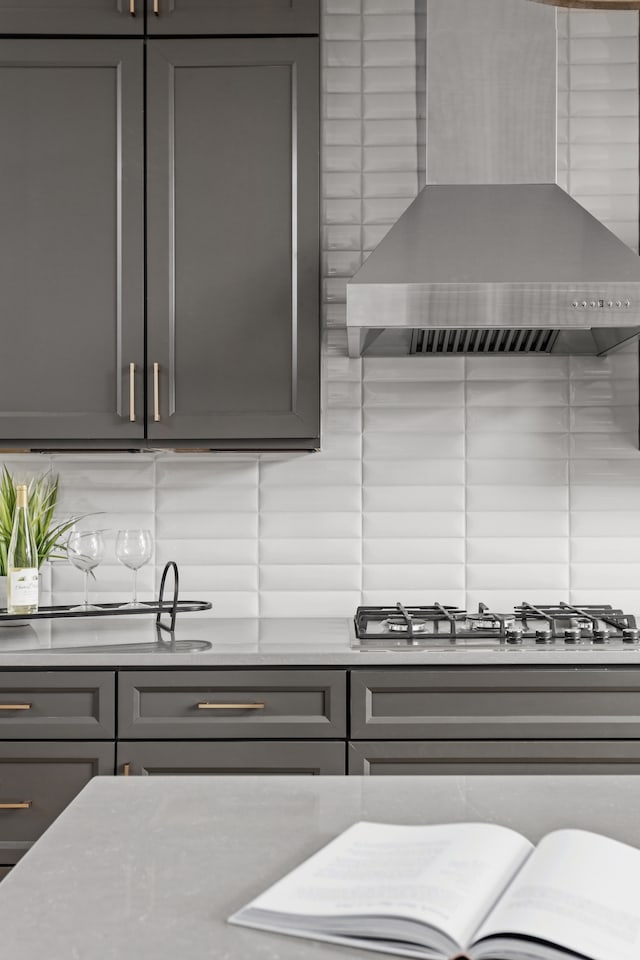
[{"x": 482, "y": 341}]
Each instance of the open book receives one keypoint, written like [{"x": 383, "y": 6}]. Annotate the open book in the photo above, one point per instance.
[{"x": 468, "y": 890}]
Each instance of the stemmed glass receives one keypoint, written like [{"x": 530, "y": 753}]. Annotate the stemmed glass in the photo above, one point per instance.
[
  {"x": 85, "y": 550},
  {"x": 133, "y": 550}
]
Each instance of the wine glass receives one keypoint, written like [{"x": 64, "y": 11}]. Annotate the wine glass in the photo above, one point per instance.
[
  {"x": 85, "y": 550},
  {"x": 133, "y": 550}
]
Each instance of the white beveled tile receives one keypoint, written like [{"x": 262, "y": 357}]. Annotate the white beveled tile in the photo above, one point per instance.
[
  {"x": 605, "y": 523},
  {"x": 518, "y": 419},
  {"x": 621, "y": 599},
  {"x": 308, "y": 576},
  {"x": 509, "y": 446},
  {"x": 342, "y": 446},
  {"x": 110, "y": 578},
  {"x": 608, "y": 49},
  {"x": 341, "y": 368},
  {"x": 601, "y": 23},
  {"x": 413, "y": 499},
  {"x": 605, "y": 549},
  {"x": 523, "y": 523},
  {"x": 342, "y": 26},
  {"x": 518, "y": 576},
  {"x": 545, "y": 472},
  {"x": 312, "y": 469},
  {"x": 517, "y": 549},
  {"x": 423, "y": 595},
  {"x": 604, "y": 103},
  {"x": 605, "y": 472},
  {"x": 342, "y": 420},
  {"x": 595, "y": 446},
  {"x": 600, "y": 576},
  {"x": 519, "y": 498},
  {"x": 282, "y": 526},
  {"x": 211, "y": 498},
  {"x": 127, "y": 471},
  {"x": 340, "y": 80},
  {"x": 414, "y": 550},
  {"x": 621, "y": 420},
  {"x": 389, "y": 79},
  {"x": 424, "y": 524},
  {"x": 206, "y": 551},
  {"x": 407, "y": 369},
  {"x": 618, "y": 497},
  {"x": 409, "y": 576},
  {"x": 411, "y": 446},
  {"x": 342, "y": 394},
  {"x": 522, "y": 393},
  {"x": 382, "y": 473},
  {"x": 303, "y": 550},
  {"x": 412, "y": 393},
  {"x": 389, "y": 53},
  {"x": 601, "y": 393},
  {"x": 504, "y": 600},
  {"x": 389, "y": 26},
  {"x": 206, "y": 470},
  {"x": 446, "y": 420},
  {"x": 517, "y": 368},
  {"x": 308, "y": 603},
  {"x": 310, "y": 499},
  {"x": 621, "y": 365},
  {"x": 614, "y": 76},
  {"x": 208, "y": 525},
  {"x": 219, "y": 577}
]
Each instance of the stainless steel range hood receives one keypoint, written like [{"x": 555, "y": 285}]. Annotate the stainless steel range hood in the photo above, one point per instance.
[{"x": 492, "y": 256}]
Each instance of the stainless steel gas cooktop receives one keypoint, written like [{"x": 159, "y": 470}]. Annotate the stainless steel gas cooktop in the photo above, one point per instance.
[{"x": 536, "y": 625}]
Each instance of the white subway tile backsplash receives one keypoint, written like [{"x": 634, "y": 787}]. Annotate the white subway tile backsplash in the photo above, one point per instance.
[
  {"x": 518, "y": 523},
  {"x": 517, "y": 497},
  {"x": 495, "y": 393},
  {"x": 521, "y": 576},
  {"x": 414, "y": 550},
  {"x": 425, "y": 524},
  {"x": 412, "y": 498},
  {"x": 520, "y": 420},
  {"x": 312, "y": 526},
  {"x": 501, "y": 550},
  {"x": 520, "y": 471},
  {"x": 410, "y": 576}
]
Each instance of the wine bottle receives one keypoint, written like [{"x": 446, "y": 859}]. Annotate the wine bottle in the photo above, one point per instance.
[{"x": 22, "y": 560}]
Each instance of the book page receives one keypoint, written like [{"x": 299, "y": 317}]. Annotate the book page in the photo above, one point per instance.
[
  {"x": 578, "y": 890},
  {"x": 447, "y": 877}
]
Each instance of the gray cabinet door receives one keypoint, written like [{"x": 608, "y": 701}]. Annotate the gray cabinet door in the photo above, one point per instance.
[
  {"x": 52, "y": 705},
  {"x": 72, "y": 16},
  {"x": 232, "y": 165},
  {"x": 460, "y": 757},
  {"x": 311, "y": 758},
  {"x": 37, "y": 781},
  {"x": 232, "y": 16},
  {"x": 510, "y": 703},
  {"x": 71, "y": 241},
  {"x": 201, "y": 704}
]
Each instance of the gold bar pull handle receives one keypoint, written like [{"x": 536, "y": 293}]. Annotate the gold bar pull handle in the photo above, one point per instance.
[
  {"x": 156, "y": 8},
  {"x": 132, "y": 392},
  {"x": 231, "y": 706},
  {"x": 15, "y": 706},
  {"x": 132, "y": 7},
  {"x": 126, "y": 769},
  {"x": 22, "y": 805},
  {"x": 156, "y": 392}
]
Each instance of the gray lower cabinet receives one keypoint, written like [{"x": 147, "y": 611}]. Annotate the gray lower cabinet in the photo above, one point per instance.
[
  {"x": 232, "y": 704},
  {"x": 398, "y": 758},
  {"x": 67, "y": 17},
  {"x": 55, "y": 705},
  {"x": 232, "y": 180},
  {"x": 4, "y": 871},
  {"x": 237, "y": 757},
  {"x": 37, "y": 781},
  {"x": 232, "y": 16},
  {"x": 71, "y": 196}
]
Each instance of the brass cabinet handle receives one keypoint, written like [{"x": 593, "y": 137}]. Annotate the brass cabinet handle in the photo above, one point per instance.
[
  {"x": 156, "y": 7},
  {"x": 231, "y": 706},
  {"x": 156, "y": 392},
  {"x": 132, "y": 392},
  {"x": 15, "y": 706},
  {"x": 22, "y": 805},
  {"x": 126, "y": 769},
  {"x": 132, "y": 7}
]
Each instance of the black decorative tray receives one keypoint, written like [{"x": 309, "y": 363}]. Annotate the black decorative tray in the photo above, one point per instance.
[{"x": 107, "y": 610}]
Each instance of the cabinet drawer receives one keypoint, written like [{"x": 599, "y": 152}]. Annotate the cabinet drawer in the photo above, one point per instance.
[
  {"x": 235, "y": 16},
  {"x": 197, "y": 759},
  {"x": 505, "y": 704},
  {"x": 57, "y": 705},
  {"x": 398, "y": 758},
  {"x": 37, "y": 781},
  {"x": 4, "y": 871},
  {"x": 228, "y": 704}
]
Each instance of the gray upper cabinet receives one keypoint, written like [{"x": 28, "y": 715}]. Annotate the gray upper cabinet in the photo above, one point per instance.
[
  {"x": 232, "y": 16},
  {"x": 67, "y": 17},
  {"x": 71, "y": 241},
  {"x": 233, "y": 285}
]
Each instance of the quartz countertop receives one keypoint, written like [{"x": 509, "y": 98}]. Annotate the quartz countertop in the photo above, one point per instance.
[
  {"x": 151, "y": 867},
  {"x": 202, "y": 641}
]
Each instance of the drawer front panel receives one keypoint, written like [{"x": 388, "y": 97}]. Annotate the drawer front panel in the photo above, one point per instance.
[
  {"x": 397, "y": 758},
  {"x": 4, "y": 871},
  {"x": 197, "y": 759},
  {"x": 244, "y": 704},
  {"x": 235, "y": 16},
  {"x": 57, "y": 705},
  {"x": 37, "y": 781},
  {"x": 598, "y": 703}
]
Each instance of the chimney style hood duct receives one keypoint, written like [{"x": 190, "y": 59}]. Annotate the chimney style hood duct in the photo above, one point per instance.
[{"x": 492, "y": 256}]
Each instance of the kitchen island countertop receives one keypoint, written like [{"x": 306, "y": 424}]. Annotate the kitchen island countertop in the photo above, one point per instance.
[
  {"x": 269, "y": 642},
  {"x": 151, "y": 867}
]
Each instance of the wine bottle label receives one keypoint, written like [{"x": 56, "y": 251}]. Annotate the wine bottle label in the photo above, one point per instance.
[{"x": 23, "y": 587}]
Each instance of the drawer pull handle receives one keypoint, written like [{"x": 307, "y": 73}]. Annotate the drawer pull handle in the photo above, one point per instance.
[
  {"x": 156, "y": 392},
  {"x": 126, "y": 769},
  {"x": 231, "y": 706},
  {"x": 15, "y": 706},
  {"x": 22, "y": 805},
  {"x": 156, "y": 8}
]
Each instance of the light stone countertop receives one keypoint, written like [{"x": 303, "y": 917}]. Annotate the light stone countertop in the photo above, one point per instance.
[
  {"x": 329, "y": 642},
  {"x": 149, "y": 868}
]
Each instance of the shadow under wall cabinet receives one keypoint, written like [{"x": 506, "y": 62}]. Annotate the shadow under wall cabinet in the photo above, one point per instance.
[
  {"x": 232, "y": 239},
  {"x": 60, "y": 728}
]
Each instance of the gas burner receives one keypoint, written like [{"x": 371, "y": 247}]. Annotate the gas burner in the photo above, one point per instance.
[{"x": 401, "y": 625}]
